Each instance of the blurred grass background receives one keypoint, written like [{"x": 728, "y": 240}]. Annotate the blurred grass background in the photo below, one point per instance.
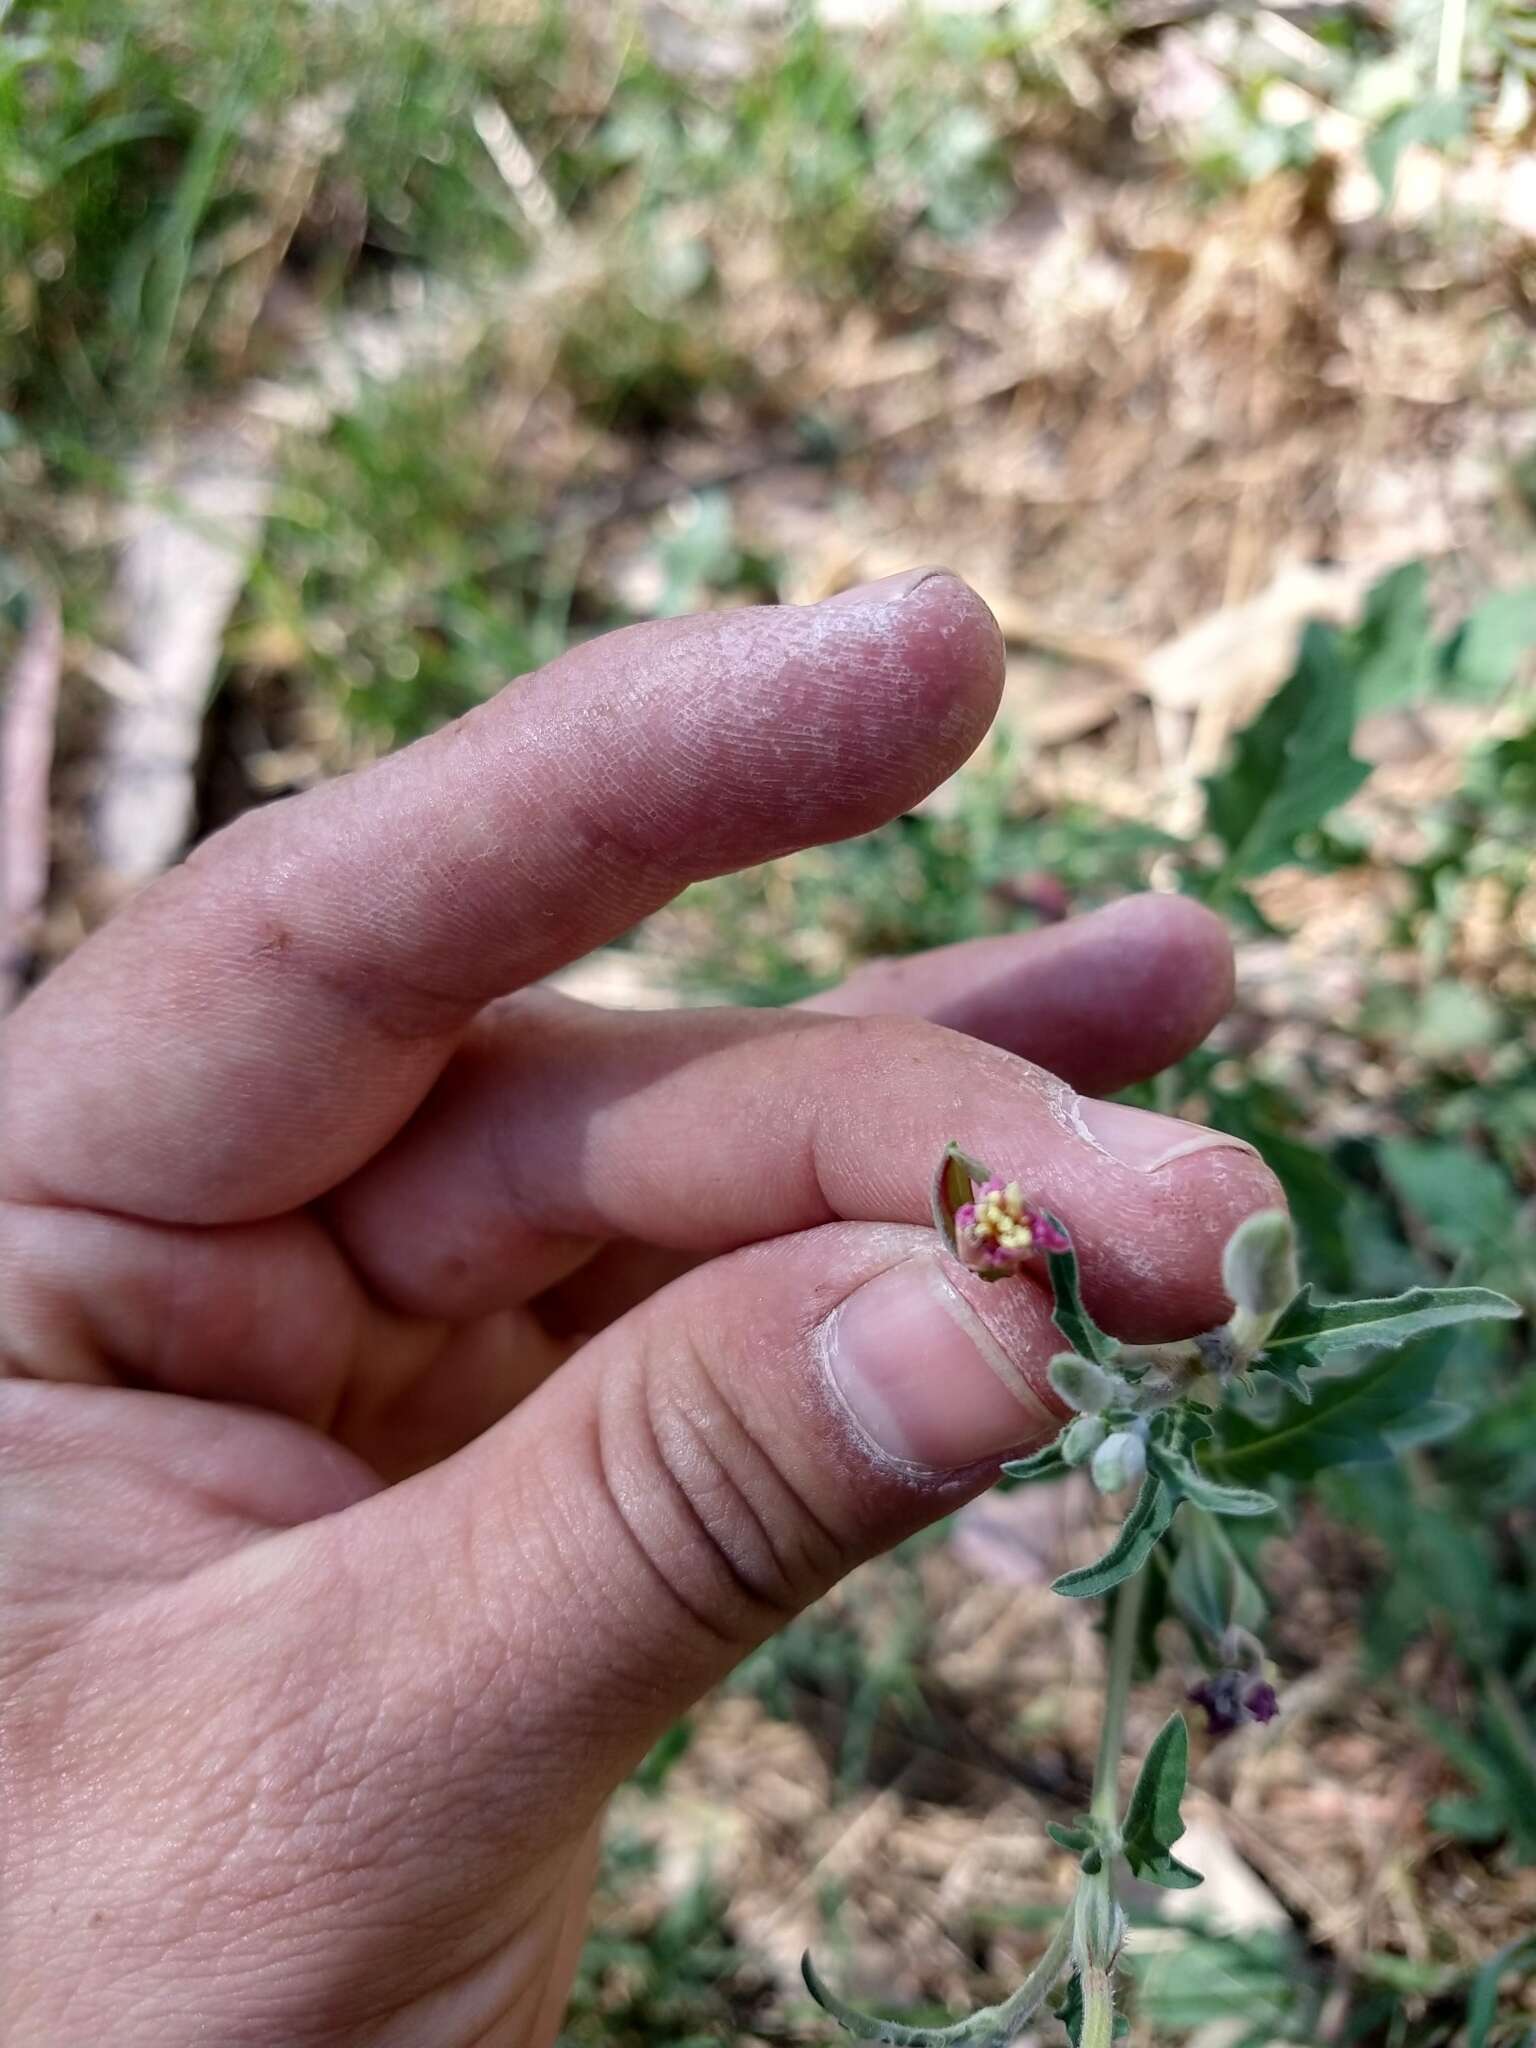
[{"x": 356, "y": 359}]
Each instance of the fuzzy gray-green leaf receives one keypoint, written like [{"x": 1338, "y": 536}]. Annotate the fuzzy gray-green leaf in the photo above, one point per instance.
[
  {"x": 1287, "y": 1367},
  {"x": 1071, "y": 1318},
  {"x": 1139, "y": 1532},
  {"x": 1075, "y": 1839},
  {"x": 1350, "y": 1420},
  {"x": 1185, "y": 1475},
  {"x": 1323, "y": 1327},
  {"x": 1210, "y": 1587},
  {"x": 1046, "y": 1463},
  {"x": 1153, "y": 1822},
  {"x": 1084, "y": 1386}
]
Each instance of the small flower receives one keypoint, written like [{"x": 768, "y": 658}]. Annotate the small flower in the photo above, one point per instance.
[
  {"x": 998, "y": 1231},
  {"x": 1231, "y": 1698},
  {"x": 985, "y": 1221}
]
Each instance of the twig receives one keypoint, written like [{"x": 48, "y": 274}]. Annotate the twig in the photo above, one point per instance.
[
  {"x": 1453, "y": 34},
  {"x": 26, "y": 761},
  {"x": 516, "y": 168}
]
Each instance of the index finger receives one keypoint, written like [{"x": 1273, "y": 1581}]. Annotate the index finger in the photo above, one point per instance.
[{"x": 256, "y": 1025}]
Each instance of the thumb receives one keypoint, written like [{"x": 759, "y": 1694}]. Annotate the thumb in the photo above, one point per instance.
[{"x": 694, "y": 1477}]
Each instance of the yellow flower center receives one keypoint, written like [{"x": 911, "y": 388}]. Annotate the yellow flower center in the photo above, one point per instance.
[{"x": 1001, "y": 1219}]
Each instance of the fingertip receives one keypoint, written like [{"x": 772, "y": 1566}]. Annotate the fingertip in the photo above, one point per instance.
[
  {"x": 955, "y": 642},
  {"x": 1105, "y": 999},
  {"x": 1190, "y": 946},
  {"x": 1163, "y": 1281},
  {"x": 918, "y": 661}
]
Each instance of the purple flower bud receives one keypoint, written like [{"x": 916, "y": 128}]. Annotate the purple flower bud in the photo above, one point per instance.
[
  {"x": 1261, "y": 1702},
  {"x": 1231, "y": 1698}
]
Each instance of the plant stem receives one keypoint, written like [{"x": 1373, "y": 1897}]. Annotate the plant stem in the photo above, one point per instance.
[
  {"x": 1122, "y": 1657},
  {"x": 1453, "y": 34},
  {"x": 1037, "y": 1986},
  {"x": 1098, "y": 2010},
  {"x": 995, "y": 2026}
]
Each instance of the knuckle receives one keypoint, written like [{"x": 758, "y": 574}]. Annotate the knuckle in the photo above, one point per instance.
[{"x": 737, "y": 1545}]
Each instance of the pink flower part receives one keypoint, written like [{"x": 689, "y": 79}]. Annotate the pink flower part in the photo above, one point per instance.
[{"x": 997, "y": 1232}]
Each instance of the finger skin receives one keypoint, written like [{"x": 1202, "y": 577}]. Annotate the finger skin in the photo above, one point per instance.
[
  {"x": 703, "y": 1140},
  {"x": 659, "y": 1507},
  {"x": 1110, "y": 998},
  {"x": 259, "y": 1022},
  {"x": 1103, "y": 1000},
  {"x": 270, "y": 1314},
  {"x": 1107, "y": 999},
  {"x": 515, "y": 1627}
]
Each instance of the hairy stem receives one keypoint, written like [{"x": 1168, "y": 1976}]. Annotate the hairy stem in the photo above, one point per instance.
[
  {"x": 1122, "y": 1658},
  {"x": 993, "y": 2027},
  {"x": 1098, "y": 2009},
  {"x": 1036, "y": 1988}
]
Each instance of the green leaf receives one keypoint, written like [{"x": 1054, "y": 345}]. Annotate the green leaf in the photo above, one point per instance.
[
  {"x": 1047, "y": 1463},
  {"x": 1321, "y": 1327},
  {"x": 1185, "y": 1477},
  {"x": 1435, "y": 120},
  {"x": 1070, "y": 2013},
  {"x": 1483, "y": 2004},
  {"x": 1288, "y": 1372},
  {"x": 1430, "y": 1423},
  {"x": 1291, "y": 767},
  {"x": 1075, "y": 1839},
  {"x": 1393, "y": 645},
  {"x": 1482, "y": 657},
  {"x": 1452, "y": 1019},
  {"x": 1202, "y": 1980},
  {"x": 1210, "y": 1586},
  {"x": 1148, "y": 1519},
  {"x": 1082, "y": 1333},
  {"x": 1466, "y": 1199},
  {"x": 952, "y": 1188},
  {"x": 1345, "y": 1425},
  {"x": 1474, "y": 1820},
  {"x": 1152, "y": 1820}
]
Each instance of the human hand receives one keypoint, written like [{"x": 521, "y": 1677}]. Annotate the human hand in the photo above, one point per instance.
[{"x": 413, "y": 1405}]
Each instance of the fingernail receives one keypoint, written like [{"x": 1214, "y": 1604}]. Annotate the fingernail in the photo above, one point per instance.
[
  {"x": 1139, "y": 1138},
  {"x": 923, "y": 1377},
  {"x": 886, "y": 590}
]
